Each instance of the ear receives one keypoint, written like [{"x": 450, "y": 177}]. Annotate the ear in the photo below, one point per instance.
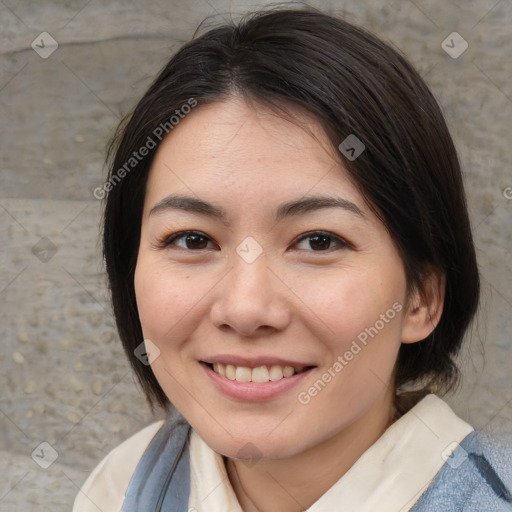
[{"x": 424, "y": 309}]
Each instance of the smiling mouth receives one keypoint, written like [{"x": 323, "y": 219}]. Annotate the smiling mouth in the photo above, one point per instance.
[{"x": 265, "y": 373}]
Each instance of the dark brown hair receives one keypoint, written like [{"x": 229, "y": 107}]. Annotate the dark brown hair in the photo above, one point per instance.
[{"x": 352, "y": 83}]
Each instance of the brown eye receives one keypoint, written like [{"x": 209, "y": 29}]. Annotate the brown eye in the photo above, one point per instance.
[
  {"x": 320, "y": 241},
  {"x": 190, "y": 240},
  {"x": 195, "y": 242}
]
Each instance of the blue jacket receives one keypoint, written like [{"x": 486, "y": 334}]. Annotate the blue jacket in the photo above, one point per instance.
[{"x": 476, "y": 478}]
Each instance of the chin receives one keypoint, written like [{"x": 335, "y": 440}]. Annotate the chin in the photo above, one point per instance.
[
  {"x": 253, "y": 450},
  {"x": 250, "y": 446}
]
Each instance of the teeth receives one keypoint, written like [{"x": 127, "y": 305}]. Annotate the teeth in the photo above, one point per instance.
[
  {"x": 230, "y": 371},
  {"x": 220, "y": 369},
  {"x": 243, "y": 374},
  {"x": 276, "y": 373},
  {"x": 288, "y": 371},
  {"x": 258, "y": 374}
]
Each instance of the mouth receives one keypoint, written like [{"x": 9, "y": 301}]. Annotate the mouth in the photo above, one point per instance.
[
  {"x": 257, "y": 378},
  {"x": 254, "y": 380},
  {"x": 259, "y": 374}
]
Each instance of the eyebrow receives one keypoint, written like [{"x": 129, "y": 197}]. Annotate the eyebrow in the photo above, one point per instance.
[{"x": 289, "y": 209}]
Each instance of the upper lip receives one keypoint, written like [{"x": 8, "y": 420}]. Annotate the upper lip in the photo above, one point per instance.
[{"x": 253, "y": 362}]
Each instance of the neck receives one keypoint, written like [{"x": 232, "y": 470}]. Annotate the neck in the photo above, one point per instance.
[{"x": 295, "y": 483}]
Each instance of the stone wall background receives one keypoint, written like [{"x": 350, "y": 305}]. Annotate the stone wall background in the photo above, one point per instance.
[{"x": 64, "y": 378}]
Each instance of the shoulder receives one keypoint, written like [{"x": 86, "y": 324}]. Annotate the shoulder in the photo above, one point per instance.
[
  {"x": 105, "y": 487},
  {"x": 476, "y": 476}
]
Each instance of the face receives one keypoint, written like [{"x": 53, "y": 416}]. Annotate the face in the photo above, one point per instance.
[{"x": 274, "y": 295}]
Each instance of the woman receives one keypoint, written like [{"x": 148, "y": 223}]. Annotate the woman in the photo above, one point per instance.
[{"x": 292, "y": 268}]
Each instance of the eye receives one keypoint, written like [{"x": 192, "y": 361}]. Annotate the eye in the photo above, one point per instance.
[
  {"x": 189, "y": 240},
  {"x": 320, "y": 241}
]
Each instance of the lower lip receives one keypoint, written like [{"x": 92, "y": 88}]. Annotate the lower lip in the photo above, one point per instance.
[{"x": 254, "y": 391}]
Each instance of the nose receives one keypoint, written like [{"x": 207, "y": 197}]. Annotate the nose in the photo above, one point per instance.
[{"x": 251, "y": 300}]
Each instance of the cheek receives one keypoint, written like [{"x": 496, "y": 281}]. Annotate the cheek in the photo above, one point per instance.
[
  {"x": 343, "y": 305},
  {"x": 358, "y": 318},
  {"x": 164, "y": 300}
]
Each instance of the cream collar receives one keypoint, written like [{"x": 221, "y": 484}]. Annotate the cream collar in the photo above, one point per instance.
[{"x": 390, "y": 476}]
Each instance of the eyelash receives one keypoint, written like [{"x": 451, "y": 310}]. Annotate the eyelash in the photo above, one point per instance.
[{"x": 310, "y": 234}]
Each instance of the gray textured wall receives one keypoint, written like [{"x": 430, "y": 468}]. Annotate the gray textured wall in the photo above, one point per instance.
[{"x": 64, "y": 378}]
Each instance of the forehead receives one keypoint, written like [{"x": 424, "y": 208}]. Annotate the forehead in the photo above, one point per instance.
[{"x": 234, "y": 149}]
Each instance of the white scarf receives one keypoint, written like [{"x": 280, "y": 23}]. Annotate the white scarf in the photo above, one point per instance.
[{"x": 389, "y": 477}]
